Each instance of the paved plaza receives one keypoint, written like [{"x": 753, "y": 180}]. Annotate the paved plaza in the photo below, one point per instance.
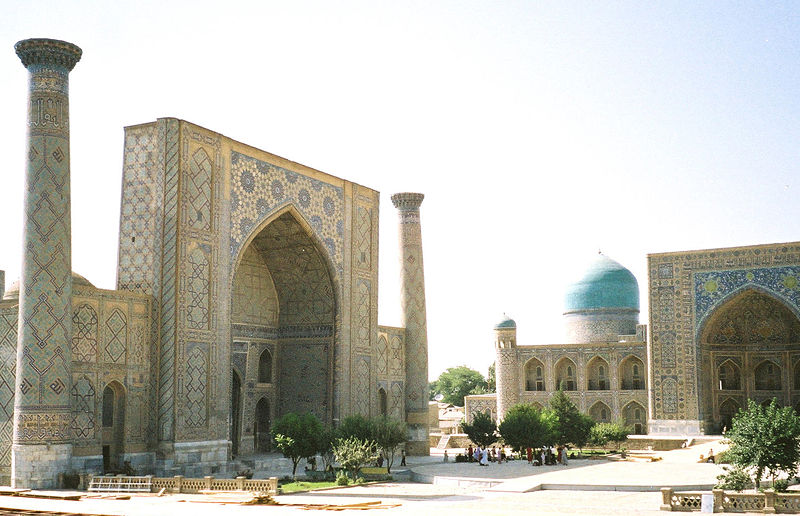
[{"x": 596, "y": 487}]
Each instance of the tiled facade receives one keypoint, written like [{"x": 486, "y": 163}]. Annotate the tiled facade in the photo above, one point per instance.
[
  {"x": 247, "y": 288},
  {"x": 606, "y": 380},
  {"x": 725, "y": 329}
]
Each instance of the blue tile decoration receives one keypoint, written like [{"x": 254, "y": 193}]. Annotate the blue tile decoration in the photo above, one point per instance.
[{"x": 714, "y": 287}]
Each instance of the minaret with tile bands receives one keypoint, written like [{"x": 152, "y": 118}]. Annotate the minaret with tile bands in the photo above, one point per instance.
[
  {"x": 42, "y": 447},
  {"x": 415, "y": 321}
]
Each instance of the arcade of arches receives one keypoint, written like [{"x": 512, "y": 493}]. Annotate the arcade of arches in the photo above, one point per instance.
[{"x": 750, "y": 350}]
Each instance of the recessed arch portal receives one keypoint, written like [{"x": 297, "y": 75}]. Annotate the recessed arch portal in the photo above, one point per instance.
[
  {"x": 284, "y": 294},
  {"x": 746, "y": 343}
]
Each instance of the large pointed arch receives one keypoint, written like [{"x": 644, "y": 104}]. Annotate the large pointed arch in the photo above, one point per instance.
[
  {"x": 296, "y": 269},
  {"x": 710, "y": 323},
  {"x": 744, "y": 340}
]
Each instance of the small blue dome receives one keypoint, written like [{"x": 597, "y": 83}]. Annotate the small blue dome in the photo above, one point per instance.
[
  {"x": 506, "y": 323},
  {"x": 605, "y": 284}
]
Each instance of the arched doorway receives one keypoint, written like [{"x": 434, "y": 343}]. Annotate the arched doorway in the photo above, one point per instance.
[
  {"x": 262, "y": 426},
  {"x": 236, "y": 412},
  {"x": 113, "y": 426},
  {"x": 747, "y": 344},
  {"x": 283, "y": 295}
]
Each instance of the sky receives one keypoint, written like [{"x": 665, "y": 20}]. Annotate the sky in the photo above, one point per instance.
[{"x": 539, "y": 132}]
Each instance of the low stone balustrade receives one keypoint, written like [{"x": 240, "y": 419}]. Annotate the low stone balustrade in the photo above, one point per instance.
[
  {"x": 180, "y": 484},
  {"x": 768, "y": 502}
]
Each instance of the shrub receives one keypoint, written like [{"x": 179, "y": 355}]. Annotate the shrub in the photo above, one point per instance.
[
  {"x": 781, "y": 485},
  {"x": 352, "y": 453},
  {"x": 341, "y": 479},
  {"x": 735, "y": 478}
]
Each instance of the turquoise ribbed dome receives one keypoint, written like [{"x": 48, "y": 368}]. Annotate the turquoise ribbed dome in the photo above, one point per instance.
[
  {"x": 605, "y": 284},
  {"x": 507, "y": 322}
]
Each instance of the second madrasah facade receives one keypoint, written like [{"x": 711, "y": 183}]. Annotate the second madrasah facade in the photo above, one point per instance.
[
  {"x": 724, "y": 328},
  {"x": 600, "y": 365}
]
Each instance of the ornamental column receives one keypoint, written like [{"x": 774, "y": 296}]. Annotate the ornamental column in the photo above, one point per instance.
[
  {"x": 42, "y": 447},
  {"x": 414, "y": 319}
]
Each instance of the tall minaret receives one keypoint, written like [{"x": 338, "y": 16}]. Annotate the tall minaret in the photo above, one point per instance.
[
  {"x": 413, "y": 303},
  {"x": 42, "y": 447},
  {"x": 506, "y": 370}
]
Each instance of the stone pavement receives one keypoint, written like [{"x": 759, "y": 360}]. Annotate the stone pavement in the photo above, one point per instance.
[
  {"x": 442, "y": 498},
  {"x": 678, "y": 469}
]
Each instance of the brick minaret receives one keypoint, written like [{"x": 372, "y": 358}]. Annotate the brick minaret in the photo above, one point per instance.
[
  {"x": 42, "y": 447},
  {"x": 415, "y": 322}
]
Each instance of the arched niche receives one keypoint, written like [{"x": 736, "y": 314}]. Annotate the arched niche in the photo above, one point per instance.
[
  {"x": 635, "y": 416},
  {"x": 632, "y": 374},
  {"x": 600, "y": 412},
  {"x": 265, "y": 367},
  {"x": 566, "y": 375},
  {"x": 730, "y": 376},
  {"x": 534, "y": 375},
  {"x": 383, "y": 402},
  {"x": 767, "y": 376},
  {"x": 597, "y": 375}
]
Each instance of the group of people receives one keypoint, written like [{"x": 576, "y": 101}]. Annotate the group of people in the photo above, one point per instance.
[
  {"x": 483, "y": 456},
  {"x": 549, "y": 455}
]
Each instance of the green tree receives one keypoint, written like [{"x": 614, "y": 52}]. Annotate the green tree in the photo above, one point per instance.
[
  {"x": 765, "y": 439},
  {"x": 297, "y": 436},
  {"x": 457, "y": 382},
  {"x": 352, "y": 453},
  {"x": 483, "y": 429},
  {"x": 356, "y": 426},
  {"x": 572, "y": 426},
  {"x": 389, "y": 435},
  {"x": 491, "y": 379},
  {"x": 325, "y": 443},
  {"x": 527, "y": 426},
  {"x": 603, "y": 433}
]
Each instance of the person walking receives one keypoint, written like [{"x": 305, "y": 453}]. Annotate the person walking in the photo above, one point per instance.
[
  {"x": 403, "y": 457},
  {"x": 529, "y": 452}
]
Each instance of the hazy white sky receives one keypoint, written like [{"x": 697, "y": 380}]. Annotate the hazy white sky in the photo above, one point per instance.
[{"x": 539, "y": 132}]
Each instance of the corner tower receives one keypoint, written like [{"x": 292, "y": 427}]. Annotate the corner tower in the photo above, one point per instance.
[
  {"x": 414, "y": 320},
  {"x": 42, "y": 447},
  {"x": 505, "y": 345}
]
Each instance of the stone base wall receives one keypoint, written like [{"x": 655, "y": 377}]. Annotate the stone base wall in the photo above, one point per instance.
[
  {"x": 37, "y": 466},
  {"x": 200, "y": 458},
  {"x": 681, "y": 427}
]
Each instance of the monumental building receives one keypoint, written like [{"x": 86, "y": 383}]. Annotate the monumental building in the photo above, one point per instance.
[
  {"x": 246, "y": 289},
  {"x": 724, "y": 329}
]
